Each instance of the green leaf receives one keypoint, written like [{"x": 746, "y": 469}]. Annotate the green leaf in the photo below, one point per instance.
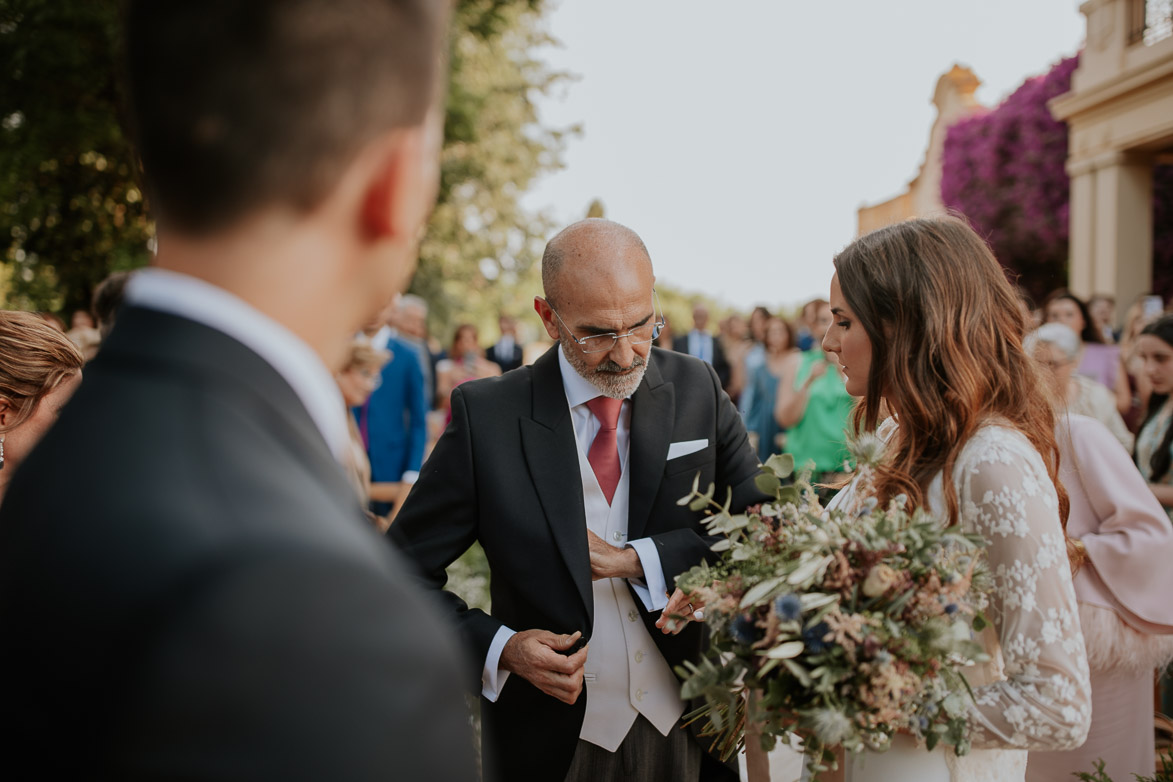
[
  {"x": 780, "y": 464},
  {"x": 786, "y": 650},
  {"x": 767, "y": 483},
  {"x": 760, "y": 590}
]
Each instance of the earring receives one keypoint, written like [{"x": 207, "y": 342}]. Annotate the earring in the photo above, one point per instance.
[{"x": 1, "y": 452}]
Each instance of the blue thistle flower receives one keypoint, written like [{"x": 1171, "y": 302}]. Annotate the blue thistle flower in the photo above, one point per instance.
[
  {"x": 813, "y": 638},
  {"x": 951, "y": 609},
  {"x": 788, "y": 608},
  {"x": 743, "y": 630}
]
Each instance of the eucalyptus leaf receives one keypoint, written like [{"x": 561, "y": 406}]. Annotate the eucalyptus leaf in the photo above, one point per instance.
[
  {"x": 767, "y": 483},
  {"x": 786, "y": 650},
  {"x": 760, "y": 590}
]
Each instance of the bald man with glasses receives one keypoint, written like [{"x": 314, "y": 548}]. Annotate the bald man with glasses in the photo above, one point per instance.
[{"x": 568, "y": 473}]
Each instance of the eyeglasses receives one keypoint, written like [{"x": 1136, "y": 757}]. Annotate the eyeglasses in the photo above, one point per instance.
[{"x": 602, "y": 343}]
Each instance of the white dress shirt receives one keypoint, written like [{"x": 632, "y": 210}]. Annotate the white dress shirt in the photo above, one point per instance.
[
  {"x": 652, "y": 590},
  {"x": 294, "y": 360}
]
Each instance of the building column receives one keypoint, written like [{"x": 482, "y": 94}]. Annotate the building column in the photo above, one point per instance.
[{"x": 1111, "y": 227}]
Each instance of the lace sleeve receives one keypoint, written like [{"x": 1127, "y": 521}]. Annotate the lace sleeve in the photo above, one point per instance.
[{"x": 1045, "y": 700}]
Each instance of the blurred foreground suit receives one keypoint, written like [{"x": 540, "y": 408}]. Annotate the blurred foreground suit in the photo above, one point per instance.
[{"x": 189, "y": 590}]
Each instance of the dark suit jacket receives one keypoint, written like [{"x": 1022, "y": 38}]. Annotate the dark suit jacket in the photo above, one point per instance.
[
  {"x": 189, "y": 590},
  {"x": 396, "y": 415},
  {"x": 506, "y": 473},
  {"x": 510, "y": 362},
  {"x": 720, "y": 362}
]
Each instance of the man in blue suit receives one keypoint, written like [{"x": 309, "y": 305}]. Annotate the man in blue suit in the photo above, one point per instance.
[{"x": 393, "y": 422}]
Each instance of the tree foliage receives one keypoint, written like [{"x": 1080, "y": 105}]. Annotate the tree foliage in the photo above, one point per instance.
[
  {"x": 71, "y": 210},
  {"x": 1005, "y": 170}
]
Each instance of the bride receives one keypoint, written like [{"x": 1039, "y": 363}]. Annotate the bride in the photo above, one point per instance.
[{"x": 927, "y": 328}]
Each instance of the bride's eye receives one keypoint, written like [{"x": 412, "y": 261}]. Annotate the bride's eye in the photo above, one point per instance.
[{"x": 843, "y": 323}]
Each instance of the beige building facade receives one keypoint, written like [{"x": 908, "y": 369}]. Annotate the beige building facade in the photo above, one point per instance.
[
  {"x": 1119, "y": 114},
  {"x": 954, "y": 100}
]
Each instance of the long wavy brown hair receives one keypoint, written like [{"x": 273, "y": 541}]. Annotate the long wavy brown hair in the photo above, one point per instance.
[{"x": 946, "y": 330}]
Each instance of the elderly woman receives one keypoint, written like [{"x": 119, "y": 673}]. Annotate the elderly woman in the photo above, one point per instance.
[
  {"x": 39, "y": 370},
  {"x": 1057, "y": 348}
]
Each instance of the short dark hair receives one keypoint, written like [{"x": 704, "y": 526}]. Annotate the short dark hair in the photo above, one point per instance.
[
  {"x": 236, "y": 106},
  {"x": 107, "y": 299},
  {"x": 1090, "y": 333}
]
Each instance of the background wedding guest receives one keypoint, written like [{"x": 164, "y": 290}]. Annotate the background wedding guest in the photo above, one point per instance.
[
  {"x": 1098, "y": 361},
  {"x": 928, "y": 332},
  {"x": 813, "y": 406},
  {"x": 239, "y": 616},
  {"x": 1154, "y": 443},
  {"x": 410, "y": 324},
  {"x": 1056, "y": 348},
  {"x": 359, "y": 377},
  {"x": 567, "y": 472},
  {"x": 1143, "y": 311},
  {"x": 760, "y": 421},
  {"x": 507, "y": 351},
  {"x": 464, "y": 363},
  {"x": 39, "y": 370},
  {"x": 705, "y": 346},
  {"x": 84, "y": 334},
  {"x": 755, "y": 356},
  {"x": 393, "y": 421},
  {"x": 734, "y": 337},
  {"x": 1101, "y": 308},
  {"x": 1122, "y": 589}
]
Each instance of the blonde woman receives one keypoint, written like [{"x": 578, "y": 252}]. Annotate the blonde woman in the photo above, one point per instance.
[{"x": 39, "y": 370}]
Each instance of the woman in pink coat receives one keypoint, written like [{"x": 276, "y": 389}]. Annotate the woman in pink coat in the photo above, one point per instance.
[{"x": 1124, "y": 591}]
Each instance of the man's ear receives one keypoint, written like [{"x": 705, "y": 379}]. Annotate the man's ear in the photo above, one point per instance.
[
  {"x": 395, "y": 202},
  {"x": 542, "y": 307}
]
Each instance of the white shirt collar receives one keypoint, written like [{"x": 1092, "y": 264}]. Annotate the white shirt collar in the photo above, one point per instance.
[
  {"x": 578, "y": 389},
  {"x": 296, "y": 362},
  {"x": 381, "y": 337}
]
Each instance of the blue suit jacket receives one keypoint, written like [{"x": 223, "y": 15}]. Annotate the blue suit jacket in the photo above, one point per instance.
[{"x": 396, "y": 416}]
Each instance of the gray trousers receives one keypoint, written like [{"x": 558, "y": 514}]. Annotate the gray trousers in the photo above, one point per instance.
[{"x": 644, "y": 756}]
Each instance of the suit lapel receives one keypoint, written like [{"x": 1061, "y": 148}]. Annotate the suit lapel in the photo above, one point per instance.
[
  {"x": 653, "y": 409},
  {"x": 551, "y": 454}
]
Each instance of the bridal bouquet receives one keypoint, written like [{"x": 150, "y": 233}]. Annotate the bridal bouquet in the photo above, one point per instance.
[{"x": 837, "y": 627}]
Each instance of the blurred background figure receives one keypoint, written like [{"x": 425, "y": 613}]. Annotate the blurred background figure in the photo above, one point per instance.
[
  {"x": 760, "y": 421},
  {"x": 1098, "y": 361},
  {"x": 700, "y": 343},
  {"x": 733, "y": 333},
  {"x": 1143, "y": 311},
  {"x": 410, "y": 324},
  {"x": 813, "y": 405},
  {"x": 1122, "y": 590},
  {"x": 39, "y": 370},
  {"x": 507, "y": 352},
  {"x": 358, "y": 378},
  {"x": 806, "y": 325},
  {"x": 1056, "y": 348},
  {"x": 1102, "y": 308},
  {"x": 1154, "y": 443},
  {"x": 464, "y": 363},
  {"x": 393, "y": 421},
  {"x": 755, "y": 355}
]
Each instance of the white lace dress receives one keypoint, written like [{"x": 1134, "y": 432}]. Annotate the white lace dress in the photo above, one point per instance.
[{"x": 1034, "y": 693}]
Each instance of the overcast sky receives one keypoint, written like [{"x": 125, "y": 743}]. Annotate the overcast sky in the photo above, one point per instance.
[{"x": 738, "y": 138}]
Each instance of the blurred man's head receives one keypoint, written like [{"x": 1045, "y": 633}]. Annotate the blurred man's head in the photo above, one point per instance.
[
  {"x": 507, "y": 324},
  {"x": 411, "y": 318},
  {"x": 700, "y": 317},
  {"x": 276, "y": 112}
]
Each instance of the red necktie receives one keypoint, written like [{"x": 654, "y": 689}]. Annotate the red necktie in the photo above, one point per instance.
[{"x": 604, "y": 453}]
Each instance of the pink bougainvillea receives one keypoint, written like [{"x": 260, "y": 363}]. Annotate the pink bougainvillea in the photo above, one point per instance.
[{"x": 1005, "y": 171}]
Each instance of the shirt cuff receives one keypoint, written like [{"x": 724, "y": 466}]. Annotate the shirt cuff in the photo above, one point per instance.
[
  {"x": 493, "y": 679},
  {"x": 410, "y": 477},
  {"x": 653, "y": 591}
]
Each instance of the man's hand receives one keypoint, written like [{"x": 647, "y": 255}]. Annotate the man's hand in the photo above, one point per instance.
[
  {"x": 610, "y": 562},
  {"x": 681, "y": 610},
  {"x": 534, "y": 656}
]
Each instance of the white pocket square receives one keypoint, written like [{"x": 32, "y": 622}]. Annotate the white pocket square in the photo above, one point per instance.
[{"x": 676, "y": 450}]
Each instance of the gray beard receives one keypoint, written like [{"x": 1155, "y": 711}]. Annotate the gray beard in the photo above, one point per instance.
[{"x": 603, "y": 376}]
